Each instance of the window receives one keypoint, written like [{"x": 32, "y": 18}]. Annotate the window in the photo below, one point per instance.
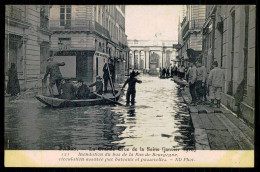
[{"x": 65, "y": 15}]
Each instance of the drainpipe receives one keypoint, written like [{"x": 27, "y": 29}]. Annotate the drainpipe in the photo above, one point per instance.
[{"x": 213, "y": 17}]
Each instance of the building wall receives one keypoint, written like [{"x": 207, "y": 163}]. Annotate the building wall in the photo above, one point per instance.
[
  {"x": 246, "y": 108},
  {"x": 28, "y": 57}
]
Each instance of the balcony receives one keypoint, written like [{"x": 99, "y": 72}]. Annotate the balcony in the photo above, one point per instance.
[
  {"x": 183, "y": 22},
  {"x": 196, "y": 24},
  {"x": 185, "y": 30},
  {"x": 192, "y": 25},
  {"x": 16, "y": 17},
  {"x": 78, "y": 25}
]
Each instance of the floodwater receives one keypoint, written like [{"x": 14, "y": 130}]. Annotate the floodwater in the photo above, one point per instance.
[{"x": 158, "y": 119}]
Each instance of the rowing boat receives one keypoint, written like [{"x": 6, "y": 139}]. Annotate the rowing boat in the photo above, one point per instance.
[{"x": 57, "y": 102}]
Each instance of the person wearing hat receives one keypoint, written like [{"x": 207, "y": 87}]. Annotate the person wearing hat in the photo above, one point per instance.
[
  {"x": 215, "y": 83},
  {"x": 53, "y": 69},
  {"x": 200, "y": 81},
  {"x": 99, "y": 87},
  {"x": 67, "y": 90},
  {"x": 192, "y": 79},
  {"x": 106, "y": 76},
  {"x": 131, "y": 91},
  {"x": 83, "y": 90}
]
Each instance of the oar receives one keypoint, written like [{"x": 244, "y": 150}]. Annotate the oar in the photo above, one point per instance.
[
  {"x": 110, "y": 81},
  {"x": 108, "y": 99}
]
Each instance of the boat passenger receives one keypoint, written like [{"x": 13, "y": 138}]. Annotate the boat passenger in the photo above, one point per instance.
[
  {"x": 83, "y": 90},
  {"x": 67, "y": 89},
  {"x": 99, "y": 87}
]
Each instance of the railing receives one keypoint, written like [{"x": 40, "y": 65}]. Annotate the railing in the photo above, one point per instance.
[
  {"x": 100, "y": 29},
  {"x": 79, "y": 25},
  {"x": 191, "y": 25},
  {"x": 196, "y": 24},
  {"x": 184, "y": 20},
  {"x": 15, "y": 13},
  {"x": 185, "y": 30}
]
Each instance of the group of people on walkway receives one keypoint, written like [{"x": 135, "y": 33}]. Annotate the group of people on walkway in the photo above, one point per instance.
[{"x": 201, "y": 84}]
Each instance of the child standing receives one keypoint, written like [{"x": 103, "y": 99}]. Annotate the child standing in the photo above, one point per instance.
[{"x": 131, "y": 91}]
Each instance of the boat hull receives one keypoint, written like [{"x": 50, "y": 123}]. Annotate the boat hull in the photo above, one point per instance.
[{"x": 58, "y": 103}]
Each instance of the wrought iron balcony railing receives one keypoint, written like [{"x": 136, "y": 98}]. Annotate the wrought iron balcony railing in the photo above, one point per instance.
[
  {"x": 192, "y": 25},
  {"x": 15, "y": 13},
  {"x": 79, "y": 25}
]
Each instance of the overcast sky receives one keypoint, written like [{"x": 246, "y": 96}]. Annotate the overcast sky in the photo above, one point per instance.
[{"x": 144, "y": 21}]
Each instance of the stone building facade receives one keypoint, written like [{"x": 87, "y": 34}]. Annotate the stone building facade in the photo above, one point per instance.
[
  {"x": 229, "y": 38},
  {"x": 27, "y": 39},
  {"x": 190, "y": 36},
  {"x": 85, "y": 35}
]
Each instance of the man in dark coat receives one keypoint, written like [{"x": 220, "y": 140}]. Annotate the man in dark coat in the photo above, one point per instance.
[
  {"x": 131, "y": 91},
  {"x": 67, "y": 90},
  {"x": 53, "y": 69},
  {"x": 83, "y": 90},
  {"x": 13, "y": 86},
  {"x": 99, "y": 87},
  {"x": 106, "y": 76}
]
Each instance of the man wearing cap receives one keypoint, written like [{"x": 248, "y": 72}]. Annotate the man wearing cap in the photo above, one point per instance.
[
  {"x": 53, "y": 69},
  {"x": 67, "y": 90},
  {"x": 192, "y": 80},
  {"x": 215, "y": 82},
  {"x": 99, "y": 87},
  {"x": 83, "y": 90},
  {"x": 106, "y": 76},
  {"x": 200, "y": 81}
]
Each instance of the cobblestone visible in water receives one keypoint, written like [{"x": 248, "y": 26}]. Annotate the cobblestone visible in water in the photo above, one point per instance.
[{"x": 159, "y": 119}]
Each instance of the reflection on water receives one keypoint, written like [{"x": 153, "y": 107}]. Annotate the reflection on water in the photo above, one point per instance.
[{"x": 159, "y": 119}]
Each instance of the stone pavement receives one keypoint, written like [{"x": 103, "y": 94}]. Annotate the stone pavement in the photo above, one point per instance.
[{"x": 217, "y": 128}]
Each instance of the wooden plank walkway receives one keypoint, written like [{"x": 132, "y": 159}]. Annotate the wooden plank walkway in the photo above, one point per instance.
[{"x": 217, "y": 128}]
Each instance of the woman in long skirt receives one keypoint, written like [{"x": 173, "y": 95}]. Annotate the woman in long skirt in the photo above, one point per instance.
[{"x": 13, "y": 86}]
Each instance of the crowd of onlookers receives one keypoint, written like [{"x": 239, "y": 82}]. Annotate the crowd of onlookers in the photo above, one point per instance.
[{"x": 200, "y": 82}]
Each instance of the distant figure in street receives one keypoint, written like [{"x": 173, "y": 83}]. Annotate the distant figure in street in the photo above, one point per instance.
[
  {"x": 68, "y": 91},
  {"x": 216, "y": 82},
  {"x": 200, "y": 81},
  {"x": 163, "y": 72},
  {"x": 192, "y": 80},
  {"x": 99, "y": 87},
  {"x": 53, "y": 69},
  {"x": 13, "y": 86},
  {"x": 172, "y": 71},
  {"x": 83, "y": 90},
  {"x": 160, "y": 71},
  {"x": 131, "y": 91},
  {"x": 167, "y": 72},
  {"x": 106, "y": 73}
]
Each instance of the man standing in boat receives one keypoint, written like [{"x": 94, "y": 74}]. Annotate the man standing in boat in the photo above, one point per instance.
[
  {"x": 106, "y": 73},
  {"x": 53, "y": 69}
]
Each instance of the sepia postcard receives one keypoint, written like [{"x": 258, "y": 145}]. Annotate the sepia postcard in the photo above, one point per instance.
[{"x": 129, "y": 85}]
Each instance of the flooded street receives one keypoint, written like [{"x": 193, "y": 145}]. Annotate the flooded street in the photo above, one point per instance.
[{"x": 158, "y": 119}]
